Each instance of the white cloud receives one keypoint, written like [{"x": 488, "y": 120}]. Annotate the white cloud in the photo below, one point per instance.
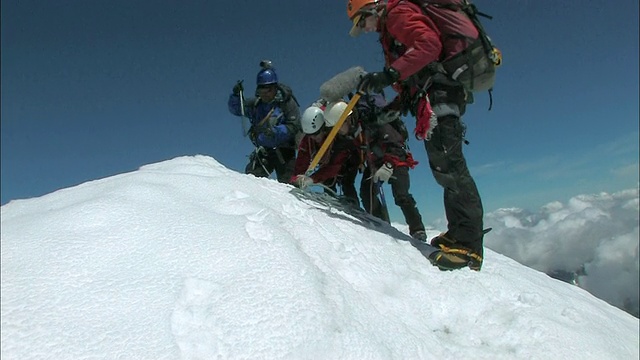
[
  {"x": 489, "y": 168},
  {"x": 627, "y": 170},
  {"x": 595, "y": 233}
]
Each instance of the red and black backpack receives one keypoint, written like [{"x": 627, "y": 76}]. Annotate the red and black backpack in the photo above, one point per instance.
[{"x": 469, "y": 56}]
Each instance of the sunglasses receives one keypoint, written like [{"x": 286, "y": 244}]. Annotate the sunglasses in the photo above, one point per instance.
[
  {"x": 320, "y": 131},
  {"x": 364, "y": 14},
  {"x": 362, "y": 22},
  {"x": 265, "y": 89}
]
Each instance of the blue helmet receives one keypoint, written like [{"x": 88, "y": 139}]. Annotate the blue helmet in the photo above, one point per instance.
[{"x": 267, "y": 77}]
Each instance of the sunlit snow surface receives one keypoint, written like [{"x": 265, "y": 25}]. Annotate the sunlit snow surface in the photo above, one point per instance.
[{"x": 185, "y": 259}]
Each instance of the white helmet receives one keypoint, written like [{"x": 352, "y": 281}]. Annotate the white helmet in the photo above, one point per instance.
[
  {"x": 334, "y": 111},
  {"x": 312, "y": 120}
]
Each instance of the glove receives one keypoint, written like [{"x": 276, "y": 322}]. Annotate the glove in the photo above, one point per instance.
[
  {"x": 266, "y": 140},
  {"x": 238, "y": 88},
  {"x": 272, "y": 137},
  {"x": 303, "y": 181},
  {"x": 384, "y": 173},
  {"x": 259, "y": 135},
  {"x": 376, "y": 81}
]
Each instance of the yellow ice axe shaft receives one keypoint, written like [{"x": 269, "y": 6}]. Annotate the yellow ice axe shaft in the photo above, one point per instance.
[{"x": 332, "y": 134}]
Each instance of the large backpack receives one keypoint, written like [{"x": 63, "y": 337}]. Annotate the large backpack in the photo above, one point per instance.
[{"x": 469, "y": 55}]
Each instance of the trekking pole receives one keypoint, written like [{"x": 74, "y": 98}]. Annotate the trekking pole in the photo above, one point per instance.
[
  {"x": 332, "y": 134},
  {"x": 242, "y": 119},
  {"x": 260, "y": 161},
  {"x": 383, "y": 202}
]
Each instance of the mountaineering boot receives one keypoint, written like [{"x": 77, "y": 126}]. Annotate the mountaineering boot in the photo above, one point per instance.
[
  {"x": 420, "y": 235},
  {"x": 453, "y": 259},
  {"x": 444, "y": 239},
  {"x": 452, "y": 256}
]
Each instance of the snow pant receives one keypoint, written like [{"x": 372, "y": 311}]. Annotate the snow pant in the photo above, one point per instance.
[
  {"x": 462, "y": 203},
  {"x": 400, "y": 184},
  {"x": 263, "y": 163},
  {"x": 347, "y": 182}
]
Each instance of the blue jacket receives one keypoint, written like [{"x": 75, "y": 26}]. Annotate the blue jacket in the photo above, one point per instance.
[{"x": 283, "y": 122}]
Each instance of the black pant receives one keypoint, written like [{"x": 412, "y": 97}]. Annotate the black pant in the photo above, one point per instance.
[
  {"x": 262, "y": 164},
  {"x": 462, "y": 203},
  {"x": 347, "y": 182},
  {"x": 400, "y": 184}
]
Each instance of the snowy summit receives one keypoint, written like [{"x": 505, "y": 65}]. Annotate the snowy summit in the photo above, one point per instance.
[{"x": 186, "y": 259}]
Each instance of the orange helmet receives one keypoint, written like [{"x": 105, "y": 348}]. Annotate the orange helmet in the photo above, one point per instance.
[{"x": 354, "y": 6}]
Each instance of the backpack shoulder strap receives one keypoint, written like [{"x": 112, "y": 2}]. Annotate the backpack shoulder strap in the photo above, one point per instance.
[{"x": 287, "y": 93}]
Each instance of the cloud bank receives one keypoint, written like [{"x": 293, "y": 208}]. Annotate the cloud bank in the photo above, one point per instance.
[{"x": 591, "y": 240}]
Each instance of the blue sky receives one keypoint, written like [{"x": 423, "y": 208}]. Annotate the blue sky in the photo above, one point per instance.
[{"x": 96, "y": 88}]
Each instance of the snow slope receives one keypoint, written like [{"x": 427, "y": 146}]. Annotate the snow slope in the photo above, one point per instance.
[{"x": 186, "y": 259}]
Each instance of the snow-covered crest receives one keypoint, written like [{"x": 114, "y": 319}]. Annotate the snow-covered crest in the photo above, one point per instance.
[{"x": 187, "y": 259}]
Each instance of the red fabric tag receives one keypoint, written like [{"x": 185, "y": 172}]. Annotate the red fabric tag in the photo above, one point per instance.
[{"x": 423, "y": 118}]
